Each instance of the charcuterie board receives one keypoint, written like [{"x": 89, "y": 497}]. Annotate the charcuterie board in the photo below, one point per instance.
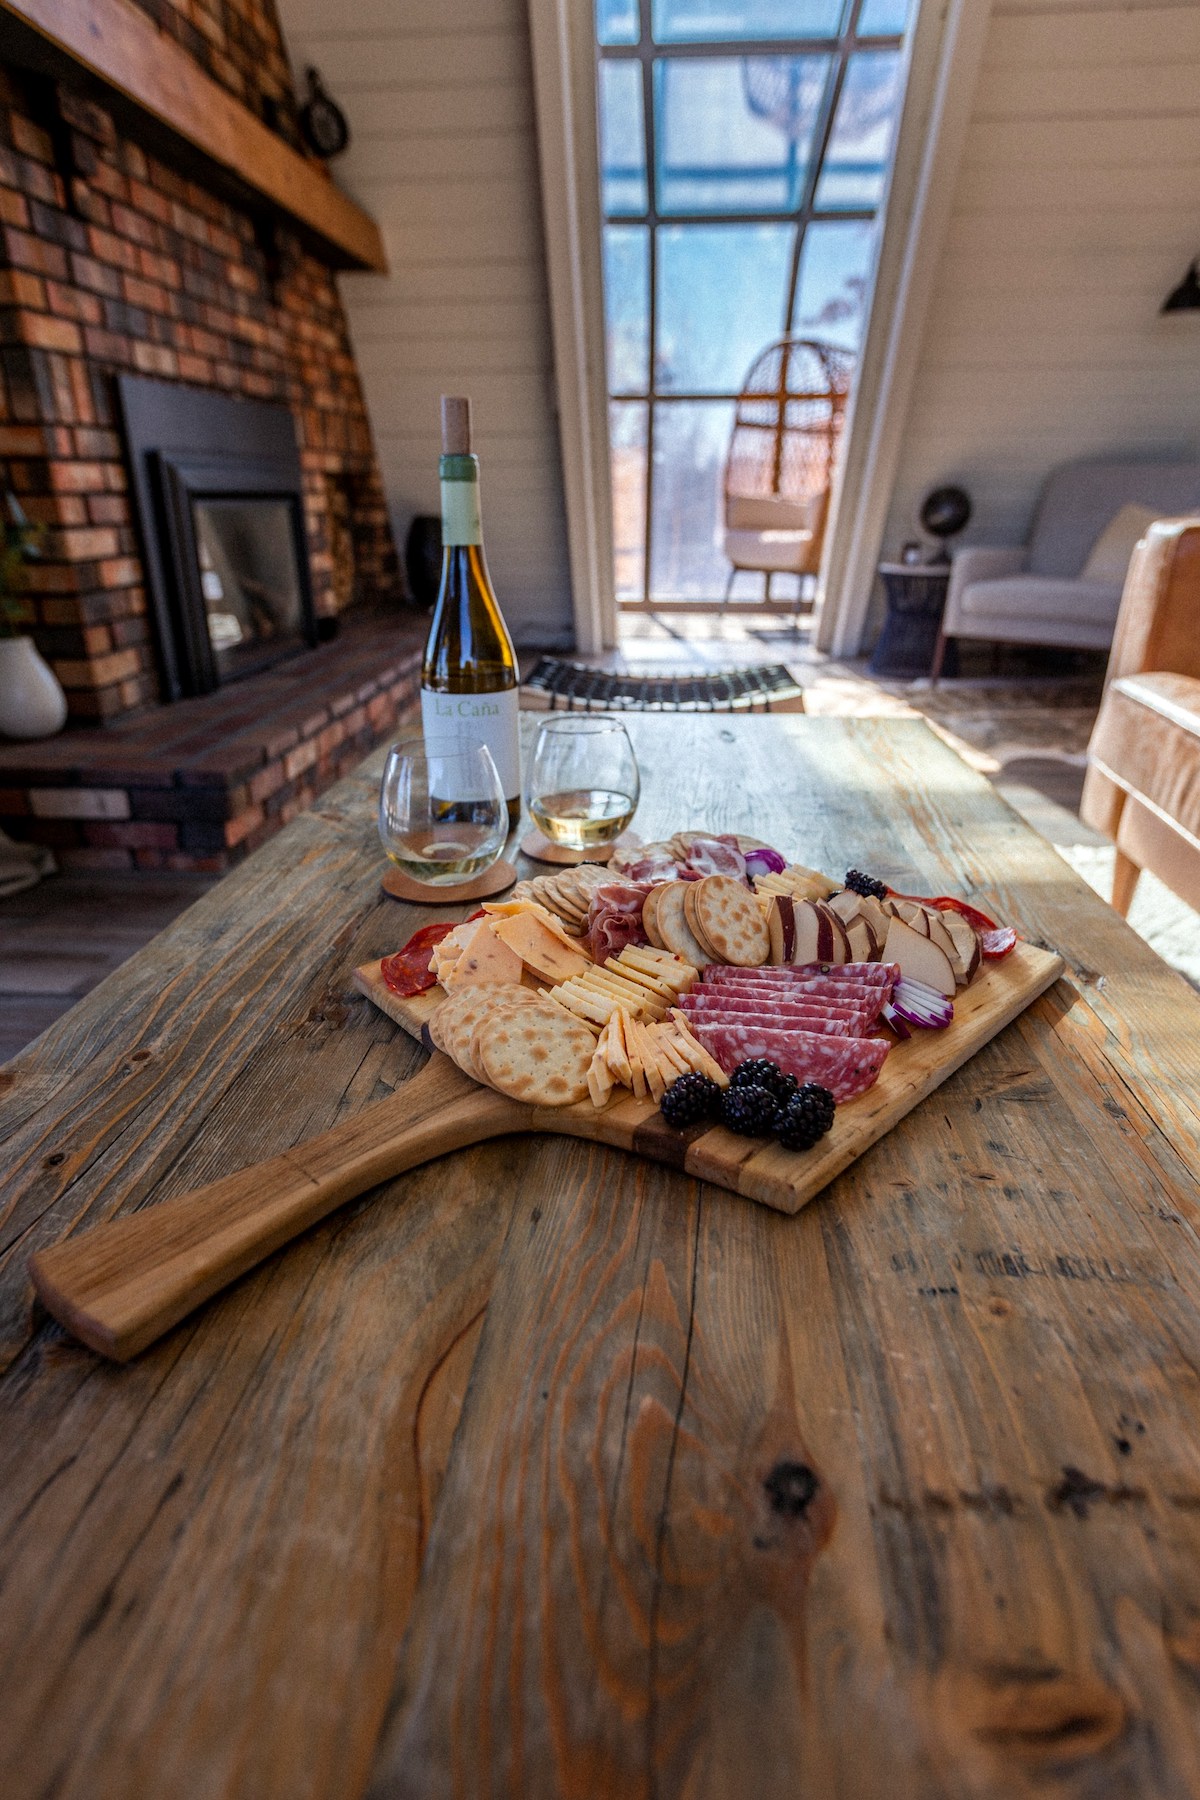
[
  {"x": 122, "y": 1285},
  {"x": 775, "y": 1177}
]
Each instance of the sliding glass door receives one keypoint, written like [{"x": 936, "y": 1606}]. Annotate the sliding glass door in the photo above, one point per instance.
[{"x": 744, "y": 148}]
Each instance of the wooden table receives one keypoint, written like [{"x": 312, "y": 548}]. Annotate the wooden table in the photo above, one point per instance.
[{"x": 899, "y": 1497}]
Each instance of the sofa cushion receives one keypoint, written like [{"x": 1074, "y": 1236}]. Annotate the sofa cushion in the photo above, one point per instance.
[
  {"x": 1147, "y": 739},
  {"x": 1042, "y": 597},
  {"x": 1108, "y": 558}
]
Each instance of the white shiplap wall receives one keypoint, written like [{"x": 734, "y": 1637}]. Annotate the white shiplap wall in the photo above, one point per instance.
[
  {"x": 1076, "y": 209},
  {"x": 438, "y": 94}
]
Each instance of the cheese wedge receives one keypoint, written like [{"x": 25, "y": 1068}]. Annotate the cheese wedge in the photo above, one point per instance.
[
  {"x": 483, "y": 961},
  {"x": 513, "y": 909},
  {"x": 539, "y": 948}
]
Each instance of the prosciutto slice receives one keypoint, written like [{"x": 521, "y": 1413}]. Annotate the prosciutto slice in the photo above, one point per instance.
[
  {"x": 615, "y": 918},
  {"x": 714, "y": 856}
]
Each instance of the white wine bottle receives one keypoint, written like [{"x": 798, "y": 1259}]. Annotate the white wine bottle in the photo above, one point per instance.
[{"x": 469, "y": 678}]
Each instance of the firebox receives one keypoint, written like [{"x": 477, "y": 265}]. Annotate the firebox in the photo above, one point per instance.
[{"x": 220, "y": 510}]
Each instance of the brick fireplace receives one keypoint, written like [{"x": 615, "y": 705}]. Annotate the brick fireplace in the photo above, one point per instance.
[{"x": 123, "y": 256}]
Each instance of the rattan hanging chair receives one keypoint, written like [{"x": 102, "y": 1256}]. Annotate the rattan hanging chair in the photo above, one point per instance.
[{"x": 779, "y": 469}]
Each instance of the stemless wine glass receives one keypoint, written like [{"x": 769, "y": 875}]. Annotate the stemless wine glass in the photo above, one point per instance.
[
  {"x": 583, "y": 780},
  {"x": 442, "y": 812}
]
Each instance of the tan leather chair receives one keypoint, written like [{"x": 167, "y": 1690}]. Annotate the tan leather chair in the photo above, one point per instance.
[{"x": 1143, "y": 776}]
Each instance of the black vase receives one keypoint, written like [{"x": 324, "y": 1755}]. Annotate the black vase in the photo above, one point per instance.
[{"x": 423, "y": 559}]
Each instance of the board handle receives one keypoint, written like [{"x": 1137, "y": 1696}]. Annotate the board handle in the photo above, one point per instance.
[{"x": 119, "y": 1286}]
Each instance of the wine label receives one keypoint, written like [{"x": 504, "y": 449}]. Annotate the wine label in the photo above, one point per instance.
[
  {"x": 461, "y": 523},
  {"x": 461, "y": 721}
]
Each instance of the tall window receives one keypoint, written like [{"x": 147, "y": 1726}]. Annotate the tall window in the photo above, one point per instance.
[{"x": 744, "y": 150}]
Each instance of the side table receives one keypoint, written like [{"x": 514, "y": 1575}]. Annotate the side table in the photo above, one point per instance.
[{"x": 915, "y": 595}]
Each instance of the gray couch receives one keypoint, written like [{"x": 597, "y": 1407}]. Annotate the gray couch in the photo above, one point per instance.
[{"x": 1032, "y": 594}]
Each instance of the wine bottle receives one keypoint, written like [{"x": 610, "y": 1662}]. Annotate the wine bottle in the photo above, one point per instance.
[{"x": 469, "y": 677}]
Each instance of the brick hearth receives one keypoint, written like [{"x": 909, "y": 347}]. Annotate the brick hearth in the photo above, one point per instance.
[{"x": 200, "y": 784}]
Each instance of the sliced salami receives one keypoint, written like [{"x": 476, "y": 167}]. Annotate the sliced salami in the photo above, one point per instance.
[
  {"x": 865, "y": 974},
  {"x": 763, "y": 1006},
  {"x": 784, "y": 1018},
  {"x": 846, "y": 1066}
]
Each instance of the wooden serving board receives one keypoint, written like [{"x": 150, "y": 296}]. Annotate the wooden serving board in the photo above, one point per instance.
[
  {"x": 121, "y": 1285},
  {"x": 779, "y": 1178}
]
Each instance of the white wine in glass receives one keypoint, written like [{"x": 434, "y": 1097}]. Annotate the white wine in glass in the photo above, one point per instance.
[
  {"x": 583, "y": 780},
  {"x": 435, "y": 840}
]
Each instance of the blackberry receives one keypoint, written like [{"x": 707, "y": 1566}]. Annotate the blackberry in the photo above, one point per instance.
[
  {"x": 806, "y": 1117},
  {"x": 750, "y": 1111},
  {"x": 760, "y": 1071},
  {"x": 865, "y": 885},
  {"x": 689, "y": 1099}
]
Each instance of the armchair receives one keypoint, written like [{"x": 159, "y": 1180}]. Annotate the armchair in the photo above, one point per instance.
[
  {"x": 1143, "y": 778},
  {"x": 1035, "y": 593}
]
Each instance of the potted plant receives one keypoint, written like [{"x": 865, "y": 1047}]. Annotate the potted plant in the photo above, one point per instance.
[{"x": 32, "y": 703}]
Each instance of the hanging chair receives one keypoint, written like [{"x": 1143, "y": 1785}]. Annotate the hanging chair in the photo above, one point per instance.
[{"x": 779, "y": 469}]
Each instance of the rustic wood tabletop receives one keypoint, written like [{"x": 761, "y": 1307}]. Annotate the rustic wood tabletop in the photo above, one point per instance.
[{"x": 544, "y": 1470}]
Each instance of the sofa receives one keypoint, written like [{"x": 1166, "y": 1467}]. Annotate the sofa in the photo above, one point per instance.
[
  {"x": 1142, "y": 786},
  {"x": 1035, "y": 593}
]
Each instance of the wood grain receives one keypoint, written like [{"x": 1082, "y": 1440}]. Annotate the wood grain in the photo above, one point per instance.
[
  {"x": 899, "y": 1496},
  {"x": 114, "y": 41},
  {"x": 982, "y": 1342}
]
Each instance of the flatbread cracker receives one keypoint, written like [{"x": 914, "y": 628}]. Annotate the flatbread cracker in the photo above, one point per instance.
[
  {"x": 541, "y": 1056},
  {"x": 727, "y": 916},
  {"x": 673, "y": 928}
]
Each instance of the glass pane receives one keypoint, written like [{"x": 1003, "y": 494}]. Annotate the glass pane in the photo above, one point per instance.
[
  {"x": 835, "y": 265},
  {"x": 861, "y": 142},
  {"x": 725, "y": 21},
  {"x": 627, "y": 421},
  {"x": 248, "y": 579},
  {"x": 622, "y": 141},
  {"x": 722, "y": 291},
  {"x": 690, "y": 441},
  {"x": 627, "y": 307},
  {"x": 617, "y": 21},
  {"x": 734, "y": 134},
  {"x": 882, "y": 18}
]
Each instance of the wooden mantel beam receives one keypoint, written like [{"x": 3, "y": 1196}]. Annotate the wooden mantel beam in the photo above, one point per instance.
[{"x": 115, "y": 44}]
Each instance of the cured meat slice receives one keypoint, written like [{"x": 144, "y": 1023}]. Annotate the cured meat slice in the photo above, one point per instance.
[
  {"x": 784, "y": 1018},
  {"x": 714, "y": 856},
  {"x": 409, "y": 971},
  {"x": 864, "y": 974},
  {"x": 846, "y": 1066},
  {"x": 615, "y": 919},
  {"x": 768, "y": 1006}
]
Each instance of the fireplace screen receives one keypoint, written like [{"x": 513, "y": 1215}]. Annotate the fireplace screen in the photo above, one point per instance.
[
  {"x": 250, "y": 581},
  {"x": 220, "y": 505}
]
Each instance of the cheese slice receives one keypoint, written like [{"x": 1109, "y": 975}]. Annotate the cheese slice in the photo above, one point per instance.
[
  {"x": 539, "y": 948},
  {"x": 483, "y": 961}
]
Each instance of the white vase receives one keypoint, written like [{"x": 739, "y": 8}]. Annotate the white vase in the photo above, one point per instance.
[{"x": 32, "y": 703}]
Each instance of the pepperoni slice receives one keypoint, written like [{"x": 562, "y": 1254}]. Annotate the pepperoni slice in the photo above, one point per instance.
[{"x": 408, "y": 971}]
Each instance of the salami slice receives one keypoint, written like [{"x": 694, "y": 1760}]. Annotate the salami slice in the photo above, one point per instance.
[
  {"x": 865, "y": 974},
  {"x": 772, "y": 1005},
  {"x": 408, "y": 972},
  {"x": 783, "y": 1018},
  {"x": 846, "y": 1066}
]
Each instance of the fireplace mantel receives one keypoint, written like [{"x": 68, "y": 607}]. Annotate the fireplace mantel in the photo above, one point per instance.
[{"x": 115, "y": 44}]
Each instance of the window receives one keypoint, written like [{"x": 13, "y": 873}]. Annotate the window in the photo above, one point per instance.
[{"x": 744, "y": 150}]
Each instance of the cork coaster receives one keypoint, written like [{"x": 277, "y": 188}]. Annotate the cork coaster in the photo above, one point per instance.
[
  {"x": 540, "y": 849},
  {"x": 501, "y": 875}
]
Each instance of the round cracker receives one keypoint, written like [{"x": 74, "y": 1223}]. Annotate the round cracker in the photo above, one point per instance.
[
  {"x": 454, "y": 1022},
  {"x": 693, "y": 922},
  {"x": 649, "y": 920},
  {"x": 540, "y": 1056},
  {"x": 673, "y": 928},
  {"x": 729, "y": 917}
]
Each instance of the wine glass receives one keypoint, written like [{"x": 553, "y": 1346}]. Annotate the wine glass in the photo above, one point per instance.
[
  {"x": 442, "y": 812},
  {"x": 583, "y": 780}
]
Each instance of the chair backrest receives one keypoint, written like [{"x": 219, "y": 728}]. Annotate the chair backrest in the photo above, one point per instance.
[
  {"x": 1079, "y": 499},
  {"x": 1158, "y": 627},
  {"x": 786, "y": 429}
]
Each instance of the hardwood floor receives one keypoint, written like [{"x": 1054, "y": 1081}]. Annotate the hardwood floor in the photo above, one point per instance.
[{"x": 59, "y": 939}]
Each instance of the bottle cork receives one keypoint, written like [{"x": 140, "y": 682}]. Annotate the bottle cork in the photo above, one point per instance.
[{"x": 456, "y": 425}]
